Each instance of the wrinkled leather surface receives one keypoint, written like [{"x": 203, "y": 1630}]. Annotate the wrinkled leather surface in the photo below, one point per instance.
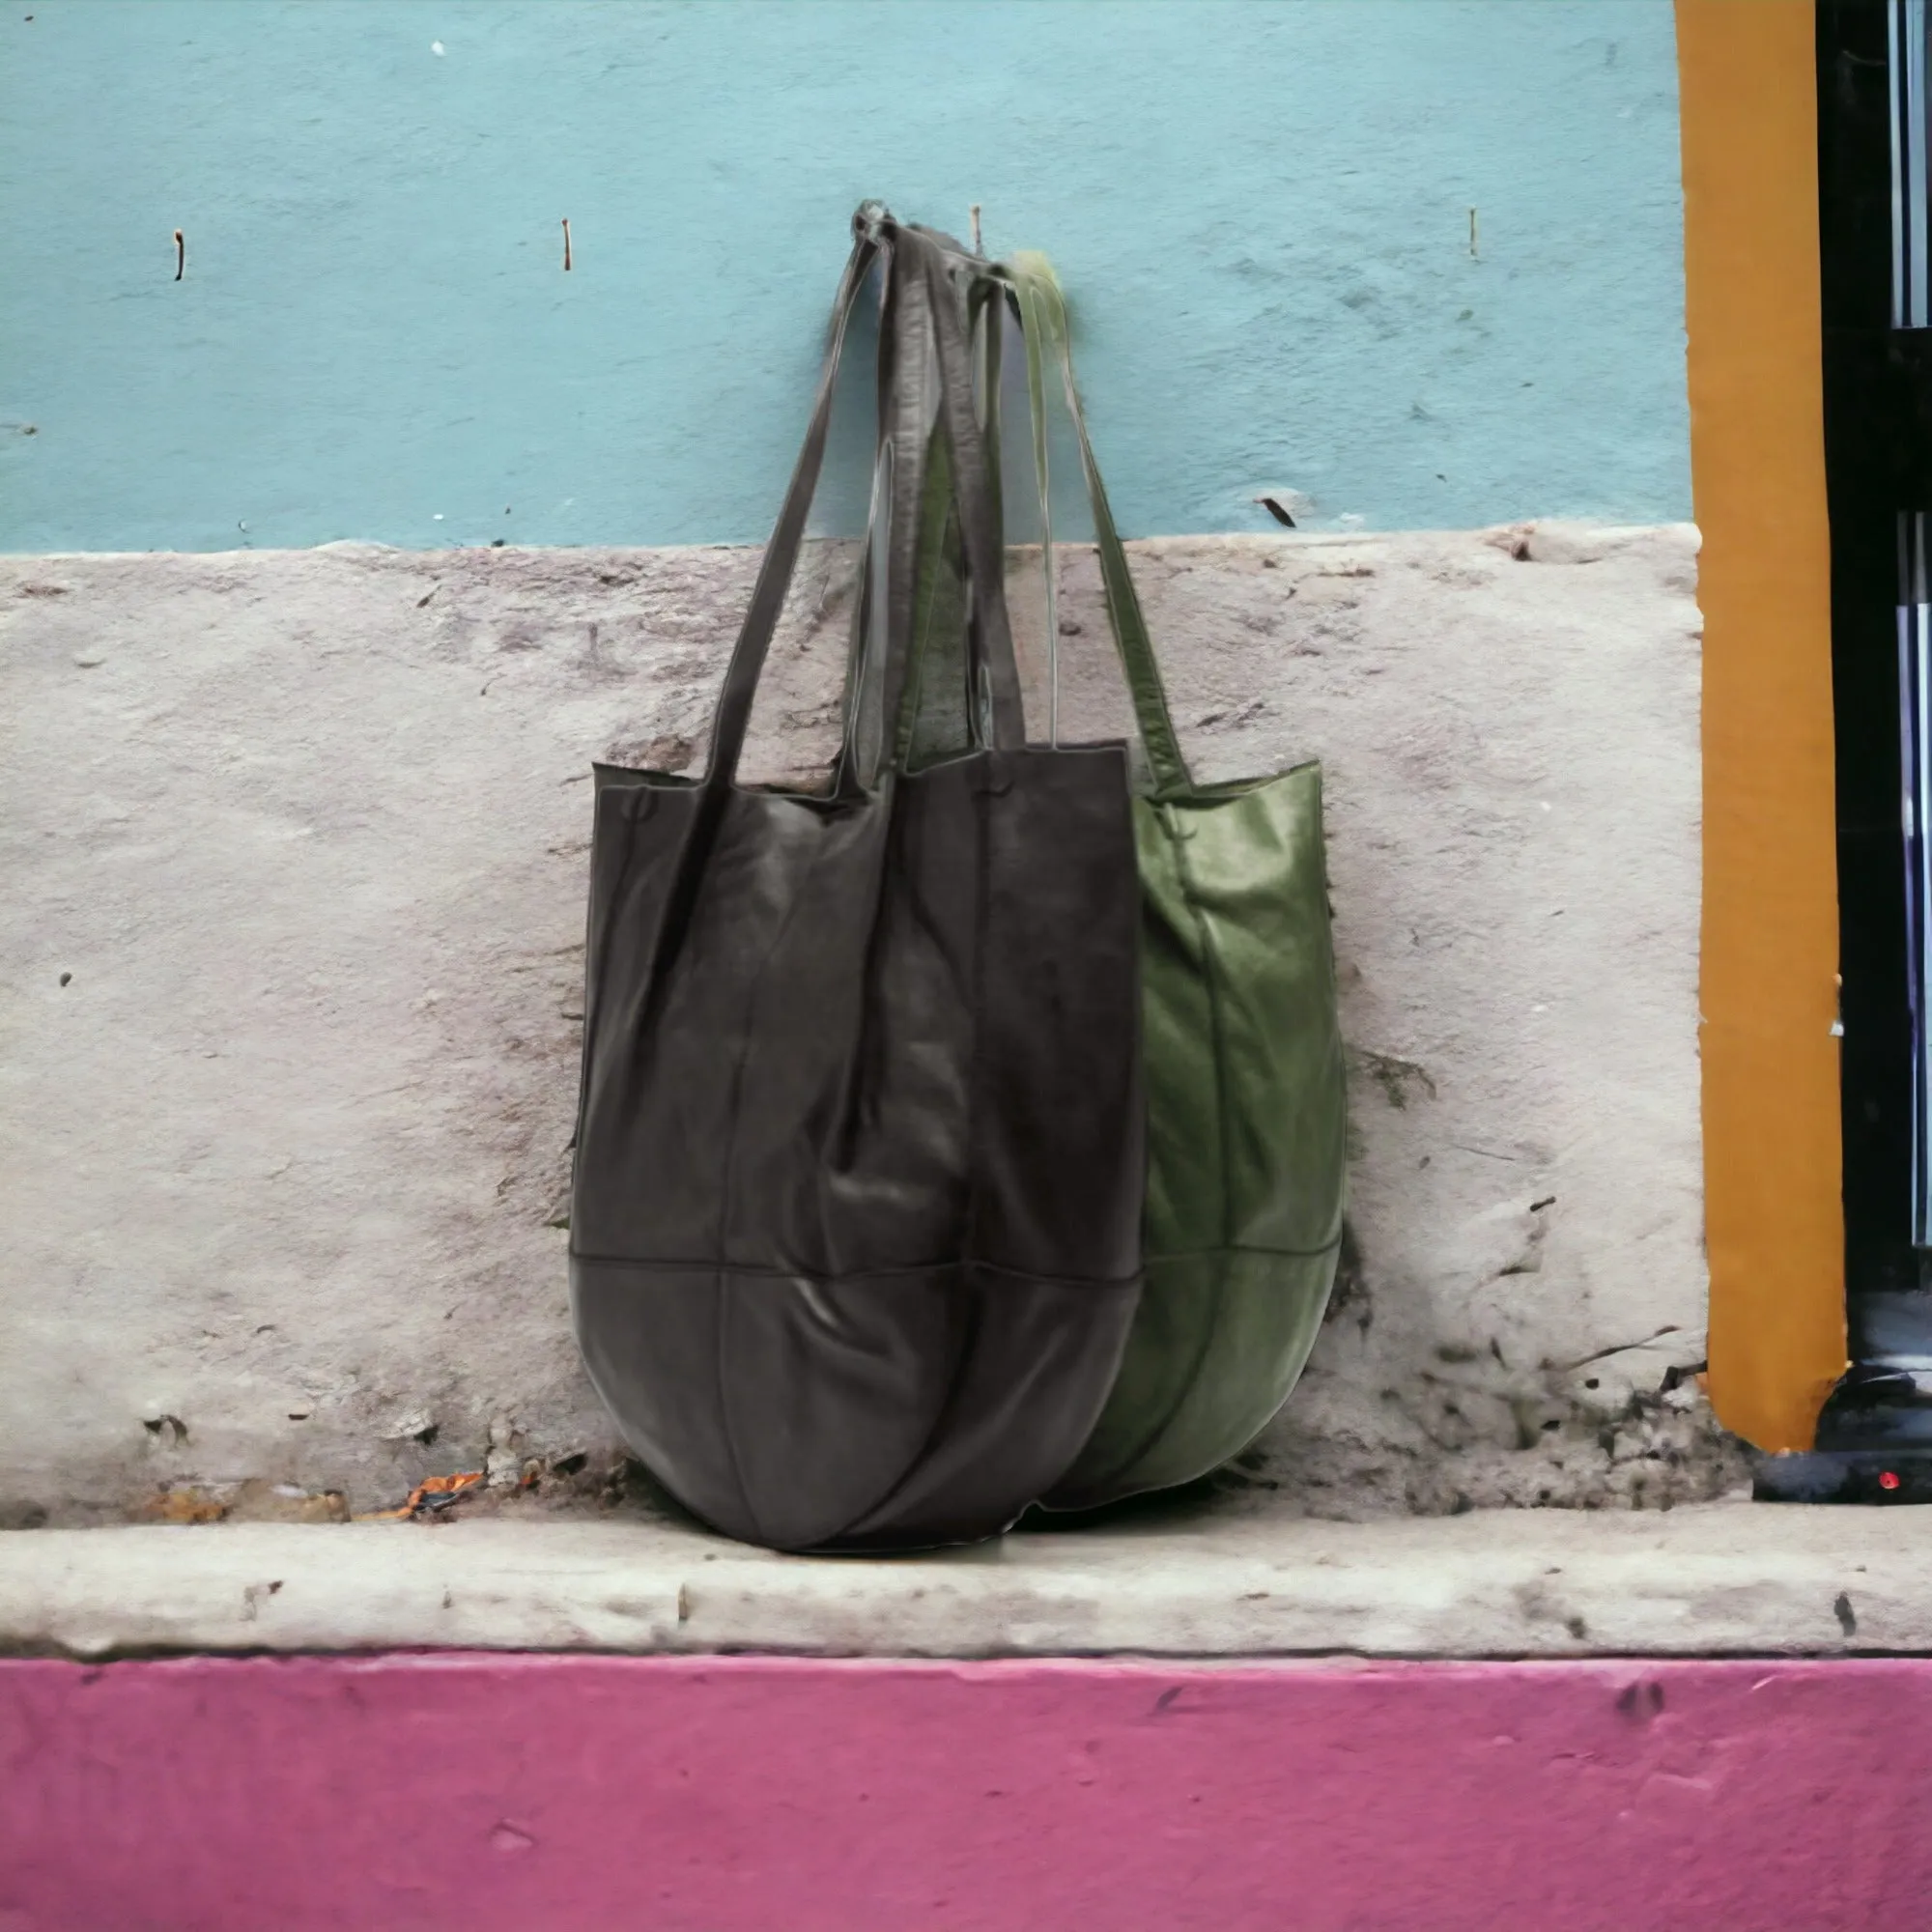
[
  {"x": 855, "y": 1411},
  {"x": 1246, "y": 1133},
  {"x": 855, "y": 1225}
]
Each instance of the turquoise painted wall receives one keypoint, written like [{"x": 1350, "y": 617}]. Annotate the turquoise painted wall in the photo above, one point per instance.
[{"x": 1261, "y": 207}]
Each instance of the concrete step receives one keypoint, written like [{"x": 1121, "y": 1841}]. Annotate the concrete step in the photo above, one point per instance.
[{"x": 1717, "y": 1578}]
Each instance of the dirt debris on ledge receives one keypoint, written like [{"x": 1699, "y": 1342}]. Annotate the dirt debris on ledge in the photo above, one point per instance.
[
  {"x": 1664, "y": 1448},
  {"x": 572, "y": 1485}
]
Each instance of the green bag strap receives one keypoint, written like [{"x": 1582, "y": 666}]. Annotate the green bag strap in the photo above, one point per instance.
[{"x": 1044, "y": 322}]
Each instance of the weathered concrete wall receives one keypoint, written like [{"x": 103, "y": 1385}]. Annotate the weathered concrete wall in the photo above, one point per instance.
[{"x": 295, "y": 845}]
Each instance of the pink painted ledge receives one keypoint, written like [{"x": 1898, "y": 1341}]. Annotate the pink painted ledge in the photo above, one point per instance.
[{"x": 552, "y": 1792}]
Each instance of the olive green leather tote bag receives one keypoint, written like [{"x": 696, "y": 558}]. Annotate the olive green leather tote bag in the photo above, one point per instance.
[{"x": 1241, "y": 1054}]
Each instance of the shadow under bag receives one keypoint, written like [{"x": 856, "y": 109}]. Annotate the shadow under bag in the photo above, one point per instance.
[{"x": 855, "y": 1227}]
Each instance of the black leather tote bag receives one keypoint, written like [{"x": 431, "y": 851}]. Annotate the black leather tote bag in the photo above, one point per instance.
[{"x": 855, "y": 1224}]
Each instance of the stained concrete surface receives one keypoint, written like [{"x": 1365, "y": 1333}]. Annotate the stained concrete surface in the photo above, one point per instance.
[
  {"x": 1721, "y": 1577},
  {"x": 296, "y": 848}
]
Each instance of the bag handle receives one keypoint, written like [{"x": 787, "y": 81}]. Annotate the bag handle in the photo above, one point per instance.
[
  {"x": 995, "y": 711},
  {"x": 874, "y": 231},
  {"x": 881, "y": 676},
  {"x": 1043, "y": 322},
  {"x": 913, "y": 520},
  {"x": 734, "y": 714}
]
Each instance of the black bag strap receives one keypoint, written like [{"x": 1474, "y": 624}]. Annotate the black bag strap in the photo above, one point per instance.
[
  {"x": 734, "y": 714},
  {"x": 905, "y": 626},
  {"x": 956, "y": 290},
  {"x": 921, "y": 625},
  {"x": 860, "y": 749},
  {"x": 880, "y": 679},
  {"x": 1043, "y": 319},
  {"x": 918, "y": 264}
]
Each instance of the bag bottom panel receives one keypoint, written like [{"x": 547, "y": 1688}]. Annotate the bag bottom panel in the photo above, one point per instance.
[
  {"x": 898, "y": 1410},
  {"x": 1218, "y": 1342}
]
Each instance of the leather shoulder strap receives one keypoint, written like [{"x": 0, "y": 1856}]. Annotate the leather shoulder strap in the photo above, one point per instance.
[{"x": 1043, "y": 320}]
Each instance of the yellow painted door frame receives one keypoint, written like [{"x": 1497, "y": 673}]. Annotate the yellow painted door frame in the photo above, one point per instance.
[{"x": 1773, "y": 1217}]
